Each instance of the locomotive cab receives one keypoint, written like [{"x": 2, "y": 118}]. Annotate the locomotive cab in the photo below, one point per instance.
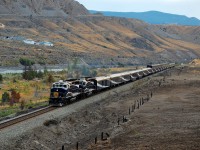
[
  {"x": 59, "y": 93},
  {"x": 82, "y": 83}
]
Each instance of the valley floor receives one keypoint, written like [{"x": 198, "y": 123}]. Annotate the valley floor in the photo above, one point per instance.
[{"x": 169, "y": 120}]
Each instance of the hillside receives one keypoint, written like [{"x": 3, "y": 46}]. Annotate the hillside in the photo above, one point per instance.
[
  {"x": 97, "y": 39},
  {"x": 41, "y": 7},
  {"x": 154, "y": 17}
]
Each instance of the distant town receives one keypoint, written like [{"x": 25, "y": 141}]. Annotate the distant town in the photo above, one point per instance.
[{"x": 28, "y": 41}]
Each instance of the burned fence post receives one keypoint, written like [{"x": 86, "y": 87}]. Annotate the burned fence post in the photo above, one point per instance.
[
  {"x": 77, "y": 146},
  {"x": 102, "y": 136},
  {"x": 151, "y": 94},
  {"x": 95, "y": 140},
  {"x": 123, "y": 119},
  {"x": 118, "y": 121},
  {"x": 108, "y": 135},
  {"x": 63, "y": 147}
]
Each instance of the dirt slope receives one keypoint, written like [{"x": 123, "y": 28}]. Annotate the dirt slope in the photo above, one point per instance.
[
  {"x": 42, "y": 7},
  {"x": 94, "y": 38},
  {"x": 187, "y": 33}
]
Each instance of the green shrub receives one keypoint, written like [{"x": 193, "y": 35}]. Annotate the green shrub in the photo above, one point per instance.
[{"x": 5, "y": 97}]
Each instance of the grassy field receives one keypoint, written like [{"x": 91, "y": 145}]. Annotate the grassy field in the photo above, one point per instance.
[{"x": 33, "y": 93}]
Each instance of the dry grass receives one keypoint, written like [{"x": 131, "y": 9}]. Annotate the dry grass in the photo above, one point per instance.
[
  {"x": 98, "y": 37},
  {"x": 195, "y": 62}
]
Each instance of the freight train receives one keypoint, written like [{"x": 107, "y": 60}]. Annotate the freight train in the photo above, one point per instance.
[{"x": 64, "y": 92}]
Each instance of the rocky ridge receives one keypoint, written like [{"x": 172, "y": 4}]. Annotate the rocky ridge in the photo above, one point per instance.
[{"x": 42, "y": 7}]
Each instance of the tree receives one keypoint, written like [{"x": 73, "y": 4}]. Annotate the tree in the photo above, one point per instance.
[
  {"x": 45, "y": 70},
  {"x": 26, "y": 62},
  {"x": 28, "y": 73},
  {"x": 15, "y": 96},
  {"x": 5, "y": 97},
  {"x": 93, "y": 73},
  {"x": 40, "y": 74},
  {"x": 1, "y": 78},
  {"x": 22, "y": 104},
  {"x": 50, "y": 78}
]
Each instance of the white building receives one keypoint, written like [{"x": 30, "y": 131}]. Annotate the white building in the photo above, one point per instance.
[
  {"x": 2, "y": 25},
  {"x": 45, "y": 43},
  {"x": 29, "y": 41}
]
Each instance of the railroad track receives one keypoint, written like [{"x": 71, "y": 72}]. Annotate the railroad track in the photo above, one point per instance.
[
  {"x": 18, "y": 119},
  {"x": 21, "y": 118}
]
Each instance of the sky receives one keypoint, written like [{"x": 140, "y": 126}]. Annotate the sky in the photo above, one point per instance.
[{"x": 190, "y": 8}]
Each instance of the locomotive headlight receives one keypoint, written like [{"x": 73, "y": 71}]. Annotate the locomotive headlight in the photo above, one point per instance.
[{"x": 55, "y": 94}]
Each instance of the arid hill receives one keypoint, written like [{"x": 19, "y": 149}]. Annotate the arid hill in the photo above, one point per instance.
[
  {"x": 195, "y": 62},
  {"x": 42, "y": 7},
  {"x": 94, "y": 38}
]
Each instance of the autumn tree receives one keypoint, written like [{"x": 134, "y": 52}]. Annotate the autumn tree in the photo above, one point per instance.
[
  {"x": 15, "y": 97},
  {"x": 50, "y": 78}
]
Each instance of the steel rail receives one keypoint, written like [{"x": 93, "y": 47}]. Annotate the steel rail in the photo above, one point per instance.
[{"x": 21, "y": 118}]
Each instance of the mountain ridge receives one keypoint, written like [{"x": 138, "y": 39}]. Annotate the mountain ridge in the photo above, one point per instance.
[
  {"x": 154, "y": 17},
  {"x": 42, "y": 8}
]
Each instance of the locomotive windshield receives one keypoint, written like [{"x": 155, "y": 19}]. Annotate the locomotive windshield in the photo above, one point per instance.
[{"x": 60, "y": 85}]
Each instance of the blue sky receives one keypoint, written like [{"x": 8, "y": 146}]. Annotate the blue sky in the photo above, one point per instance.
[{"x": 190, "y": 8}]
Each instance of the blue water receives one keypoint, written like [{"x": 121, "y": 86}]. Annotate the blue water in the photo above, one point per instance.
[{"x": 5, "y": 71}]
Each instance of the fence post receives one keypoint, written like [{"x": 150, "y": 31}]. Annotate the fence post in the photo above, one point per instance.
[
  {"x": 95, "y": 140},
  {"x": 63, "y": 147},
  {"x": 77, "y": 145},
  {"x": 102, "y": 136},
  {"x": 118, "y": 121},
  {"x": 129, "y": 110}
]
